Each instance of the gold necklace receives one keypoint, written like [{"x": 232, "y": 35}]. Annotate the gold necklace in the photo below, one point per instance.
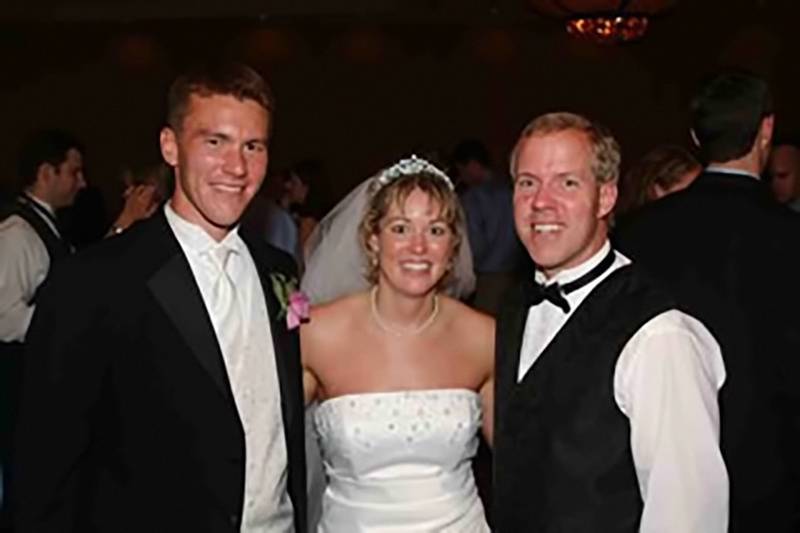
[{"x": 401, "y": 332}]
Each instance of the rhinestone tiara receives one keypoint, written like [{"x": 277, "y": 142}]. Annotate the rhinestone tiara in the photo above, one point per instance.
[{"x": 410, "y": 166}]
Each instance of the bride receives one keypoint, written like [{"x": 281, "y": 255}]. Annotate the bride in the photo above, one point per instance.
[{"x": 403, "y": 373}]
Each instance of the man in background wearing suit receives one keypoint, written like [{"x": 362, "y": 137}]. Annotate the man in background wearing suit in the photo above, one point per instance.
[
  {"x": 731, "y": 255},
  {"x": 163, "y": 389}
]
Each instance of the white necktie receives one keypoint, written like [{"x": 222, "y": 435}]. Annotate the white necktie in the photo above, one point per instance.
[{"x": 225, "y": 309}]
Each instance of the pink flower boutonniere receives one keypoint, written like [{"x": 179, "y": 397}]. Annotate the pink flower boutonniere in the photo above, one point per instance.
[{"x": 294, "y": 303}]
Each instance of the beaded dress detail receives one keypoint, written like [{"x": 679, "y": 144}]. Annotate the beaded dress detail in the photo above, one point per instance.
[{"x": 400, "y": 461}]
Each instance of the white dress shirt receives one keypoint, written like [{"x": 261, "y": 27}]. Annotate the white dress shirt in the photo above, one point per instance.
[
  {"x": 733, "y": 171},
  {"x": 252, "y": 374},
  {"x": 23, "y": 267},
  {"x": 666, "y": 382}
]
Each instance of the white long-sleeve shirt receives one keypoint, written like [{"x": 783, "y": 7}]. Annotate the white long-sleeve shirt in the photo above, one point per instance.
[
  {"x": 666, "y": 383},
  {"x": 24, "y": 264}
]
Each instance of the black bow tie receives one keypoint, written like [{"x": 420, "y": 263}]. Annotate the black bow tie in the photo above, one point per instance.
[
  {"x": 537, "y": 293},
  {"x": 554, "y": 292}
]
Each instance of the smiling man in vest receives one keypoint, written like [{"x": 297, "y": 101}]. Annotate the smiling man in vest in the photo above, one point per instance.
[{"x": 606, "y": 395}]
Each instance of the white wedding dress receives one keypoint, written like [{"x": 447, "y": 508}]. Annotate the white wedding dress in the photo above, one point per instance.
[{"x": 400, "y": 462}]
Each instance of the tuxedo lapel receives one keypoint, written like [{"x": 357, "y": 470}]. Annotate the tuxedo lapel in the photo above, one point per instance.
[{"x": 174, "y": 288}]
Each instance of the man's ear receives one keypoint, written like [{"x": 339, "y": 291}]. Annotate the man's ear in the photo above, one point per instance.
[
  {"x": 607, "y": 199},
  {"x": 169, "y": 146},
  {"x": 766, "y": 130},
  {"x": 694, "y": 137},
  {"x": 45, "y": 173}
]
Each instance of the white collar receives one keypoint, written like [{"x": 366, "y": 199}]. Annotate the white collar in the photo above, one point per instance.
[
  {"x": 734, "y": 171},
  {"x": 573, "y": 273},
  {"x": 195, "y": 238},
  {"x": 40, "y": 202}
]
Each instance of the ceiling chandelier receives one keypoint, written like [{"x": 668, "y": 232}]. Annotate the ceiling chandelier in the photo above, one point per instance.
[{"x": 604, "y": 21}]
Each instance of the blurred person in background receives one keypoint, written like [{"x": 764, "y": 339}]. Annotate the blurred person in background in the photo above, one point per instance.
[
  {"x": 146, "y": 188},
  {"x": 32, "y": 241},
  {"x": 497, "y": 253},
  {"x": 784, "y": 174},
  {"x": 663, "y": 170}
]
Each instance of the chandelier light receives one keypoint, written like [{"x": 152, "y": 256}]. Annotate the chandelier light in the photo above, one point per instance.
[{"x": 604, "y": 21}]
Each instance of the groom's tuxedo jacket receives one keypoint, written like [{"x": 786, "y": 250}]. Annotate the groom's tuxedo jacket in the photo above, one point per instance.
[
  {"x": 128, "y": 422},
  {"x": 731, "y": 257}
]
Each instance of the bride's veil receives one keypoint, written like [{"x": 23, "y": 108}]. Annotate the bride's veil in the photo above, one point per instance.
[{"x": 334, "y": 261}]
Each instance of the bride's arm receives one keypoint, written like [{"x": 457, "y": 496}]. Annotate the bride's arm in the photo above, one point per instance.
[
  {"x": 310, "y": 386},
  {"x": 487, "y": 388},
  {"x": 310, "y": 380},
  {"x": 487, "y": 400}
]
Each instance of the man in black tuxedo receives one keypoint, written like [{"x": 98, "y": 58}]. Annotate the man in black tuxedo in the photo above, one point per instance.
[
  {"x": 163, "y": 388},
  {"x": 732, "y": 255},
  {"x": 606, "y": 413}
]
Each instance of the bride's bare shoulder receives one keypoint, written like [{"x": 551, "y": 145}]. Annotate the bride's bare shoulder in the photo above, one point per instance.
[
  {"x": 472, "y": 329},
  {"x": 337, "y": 314},
  {"x": 330, "y": 328},
  {"x": 467, "y": 319}
]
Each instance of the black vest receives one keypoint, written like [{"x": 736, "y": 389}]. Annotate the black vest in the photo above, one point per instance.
[
  {"x": 57, "y": 249},
  {"x": 563, "y": 461},
  {"x": 12, "y": 353}
]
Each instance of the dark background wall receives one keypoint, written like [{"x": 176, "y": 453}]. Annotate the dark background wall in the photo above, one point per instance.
[{"x": 359, "y": 88}]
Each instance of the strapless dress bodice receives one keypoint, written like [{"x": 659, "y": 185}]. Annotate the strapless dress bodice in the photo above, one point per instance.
[{"x": 400, "y": 461}]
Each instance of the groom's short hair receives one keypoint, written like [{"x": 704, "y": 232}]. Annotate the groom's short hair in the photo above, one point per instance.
[{"x": 231, "y": 79}]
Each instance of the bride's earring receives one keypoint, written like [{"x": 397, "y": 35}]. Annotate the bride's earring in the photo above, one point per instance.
[
  {"x": 373, "y": 257},
  {"x": 375, "y": 250}
]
